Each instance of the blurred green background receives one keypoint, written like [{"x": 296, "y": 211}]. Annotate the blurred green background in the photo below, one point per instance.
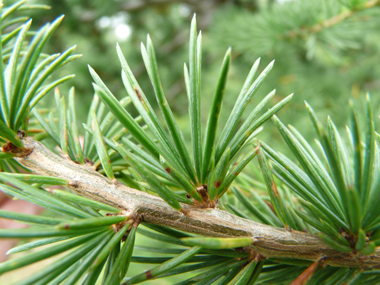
[{"x": 327, "y": 52}]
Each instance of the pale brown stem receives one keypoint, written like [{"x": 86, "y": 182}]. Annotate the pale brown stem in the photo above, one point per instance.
[
  {"x": 331, "y": 22},
  {"x": 270, "y": 242}
]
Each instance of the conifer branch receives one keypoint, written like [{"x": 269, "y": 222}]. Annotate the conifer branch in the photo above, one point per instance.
[
  {"x": 271, "y": 242},
  {"x": 317, "y": 28}
]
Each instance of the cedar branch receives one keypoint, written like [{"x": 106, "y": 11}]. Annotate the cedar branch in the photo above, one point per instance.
[{"x": 271, "y": 242}]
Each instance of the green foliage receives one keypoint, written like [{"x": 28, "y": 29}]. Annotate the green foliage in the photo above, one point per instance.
[
  {"x": 23, "y": 76},
  {"x": 171, "y": 145},
  {"x": 337, "y": 189},
  {"x": 333, "y": 194},
  {"x": 332, "y": 45},
  {"x": 24, "y": 68}
]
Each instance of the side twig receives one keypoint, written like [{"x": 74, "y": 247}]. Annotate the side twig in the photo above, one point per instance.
[{"x": 317, "y": 28}]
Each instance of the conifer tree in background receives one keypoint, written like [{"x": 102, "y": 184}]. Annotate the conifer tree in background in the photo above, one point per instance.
[
  {"x": 310, "y": 218},
  {"x": 326, "y": 51}
]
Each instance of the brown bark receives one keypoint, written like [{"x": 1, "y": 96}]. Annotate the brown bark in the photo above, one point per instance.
[{"x": 270, "y": 242}]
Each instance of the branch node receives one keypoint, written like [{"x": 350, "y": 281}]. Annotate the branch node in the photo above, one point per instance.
[
  {"x": 133, "y": 220},
  {"x": 17, "y": 151},
  {"x": 73, "y": 183}
]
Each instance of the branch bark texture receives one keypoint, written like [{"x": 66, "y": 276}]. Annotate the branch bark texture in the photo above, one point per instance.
[{"x": 269, "y": 241}]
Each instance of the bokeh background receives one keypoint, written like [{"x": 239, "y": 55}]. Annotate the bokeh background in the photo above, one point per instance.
[{"x": 327, "y": 52}]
